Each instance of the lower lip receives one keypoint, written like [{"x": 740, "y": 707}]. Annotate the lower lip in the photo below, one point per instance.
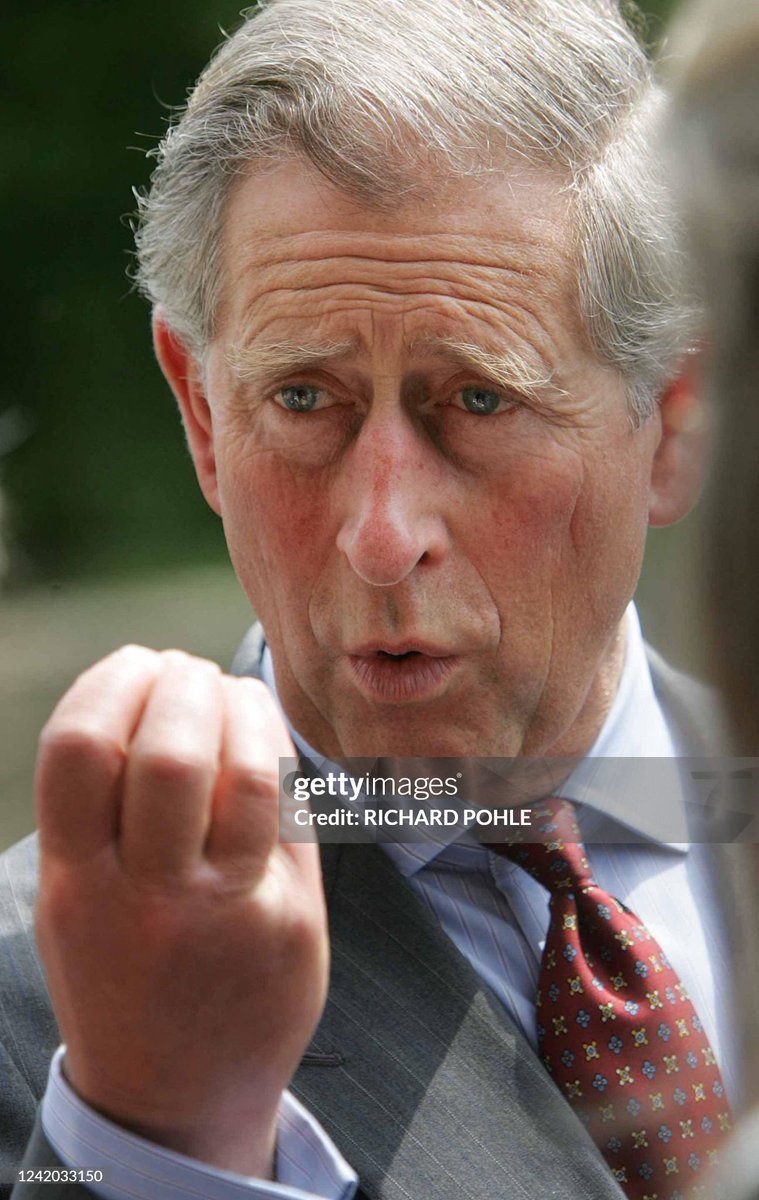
[{"x": 399, "y": 681}]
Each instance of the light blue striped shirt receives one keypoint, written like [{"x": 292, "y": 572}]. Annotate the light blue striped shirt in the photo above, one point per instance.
[{"x": 497, "y": 916}]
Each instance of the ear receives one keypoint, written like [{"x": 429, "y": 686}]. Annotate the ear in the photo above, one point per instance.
[
  {"x": 679, "y": 465},
  {"x": 185, "y": 378}
]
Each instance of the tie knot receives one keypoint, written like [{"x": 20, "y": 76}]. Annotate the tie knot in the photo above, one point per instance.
[{"x": 554, "y": 855}]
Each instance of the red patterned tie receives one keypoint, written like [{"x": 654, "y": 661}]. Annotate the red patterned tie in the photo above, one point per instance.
[{"x": 616, "y": 1028}]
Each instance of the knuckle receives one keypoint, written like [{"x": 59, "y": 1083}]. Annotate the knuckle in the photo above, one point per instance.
[
  {"x": 253, "y": 693},
  {"x": 180, "y": 658},
  {"x": 173, "y": 769},
  {"x": 80, "y": 743},
  {"x": 128, "y": 658},
  {"x": 136, "y": 651},
  {"x": 254, "y": 689},
  {"x": 151, "y": 878},
  {"x": 252, "y": 779},
  {"x": 303, "y": 933},
  {"x": 173, "y": 654}
]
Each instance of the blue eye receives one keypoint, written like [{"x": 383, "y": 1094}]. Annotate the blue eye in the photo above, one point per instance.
[
  {"x": 299, "y": 397},
  {"x": 481, "y": 401}
]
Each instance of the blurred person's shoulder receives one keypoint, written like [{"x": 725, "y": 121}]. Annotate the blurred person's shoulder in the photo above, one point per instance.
[{"x": 738, "y": 1178}]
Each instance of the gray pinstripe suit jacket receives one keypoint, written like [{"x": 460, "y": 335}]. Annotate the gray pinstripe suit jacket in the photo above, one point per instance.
[{"x": 416, "y": 1071}]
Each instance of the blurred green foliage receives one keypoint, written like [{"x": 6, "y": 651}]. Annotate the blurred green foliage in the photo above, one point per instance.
[{"x": 92, "y": 460}]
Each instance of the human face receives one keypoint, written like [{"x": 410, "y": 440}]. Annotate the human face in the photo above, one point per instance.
[{"x": 416, "y": 453}]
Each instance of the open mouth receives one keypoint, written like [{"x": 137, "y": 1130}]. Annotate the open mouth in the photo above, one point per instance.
[
  {"x": 407, "y": 654},
  {"x": 408, "y": 675}
]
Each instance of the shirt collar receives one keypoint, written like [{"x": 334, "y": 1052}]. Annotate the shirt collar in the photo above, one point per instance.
[
  {"x": 615, "y": 801},
  {"x": 645, "y": 799}
]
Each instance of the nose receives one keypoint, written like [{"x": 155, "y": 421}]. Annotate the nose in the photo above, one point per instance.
[{"x": 393, "y": 498}]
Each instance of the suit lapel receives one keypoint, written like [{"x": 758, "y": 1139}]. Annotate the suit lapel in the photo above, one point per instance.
[{"x": 428, "y": 1089}]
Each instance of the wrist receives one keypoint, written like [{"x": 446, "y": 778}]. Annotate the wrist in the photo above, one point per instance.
[
  {"x": 237, "y": 1135},
  {"x": 246, "y": 1148}
]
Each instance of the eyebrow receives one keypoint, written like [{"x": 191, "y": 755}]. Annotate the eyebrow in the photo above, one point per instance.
[
  {"x": 507, "y": 368},
  {"x": 251, "y": 363}
]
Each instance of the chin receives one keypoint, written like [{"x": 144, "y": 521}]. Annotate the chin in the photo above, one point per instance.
[{"x": 421, "y": 742}]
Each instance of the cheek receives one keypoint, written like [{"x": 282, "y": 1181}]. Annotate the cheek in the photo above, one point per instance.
[
  {"x": 519, "y": 528},
  {"x": 275, "y": 529},
  {"x": 611, "y": 521},
  {"x": 607, "y": 539},
  {"x": 560, "y": 532}
]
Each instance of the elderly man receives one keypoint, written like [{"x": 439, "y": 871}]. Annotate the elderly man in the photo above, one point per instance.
[{"x": 415, "y": 291}]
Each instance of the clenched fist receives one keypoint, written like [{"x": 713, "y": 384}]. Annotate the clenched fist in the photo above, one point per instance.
[{"x": 185, "y": 946}]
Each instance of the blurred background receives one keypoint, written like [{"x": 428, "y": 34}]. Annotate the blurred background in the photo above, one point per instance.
[{"x": 104, "y": 536}]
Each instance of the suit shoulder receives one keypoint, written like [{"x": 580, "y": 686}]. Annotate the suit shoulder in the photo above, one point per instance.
[
  {"x": 247, "y": 660},
  {"x": 28, "y": 1031},
  {"x": 19, "y": 866},
  {"x": 694, "y": 708}
]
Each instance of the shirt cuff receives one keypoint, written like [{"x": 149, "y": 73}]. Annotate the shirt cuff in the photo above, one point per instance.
[{"x": 308, "y": 1163}]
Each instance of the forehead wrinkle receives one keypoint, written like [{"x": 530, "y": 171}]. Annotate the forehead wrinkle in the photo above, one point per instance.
[
  {"x": 530, "y": 256},
  {"x": 527, "y": 248}
]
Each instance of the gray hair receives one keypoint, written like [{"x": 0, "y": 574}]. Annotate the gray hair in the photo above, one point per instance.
[{"x": 387, "y": 97}]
